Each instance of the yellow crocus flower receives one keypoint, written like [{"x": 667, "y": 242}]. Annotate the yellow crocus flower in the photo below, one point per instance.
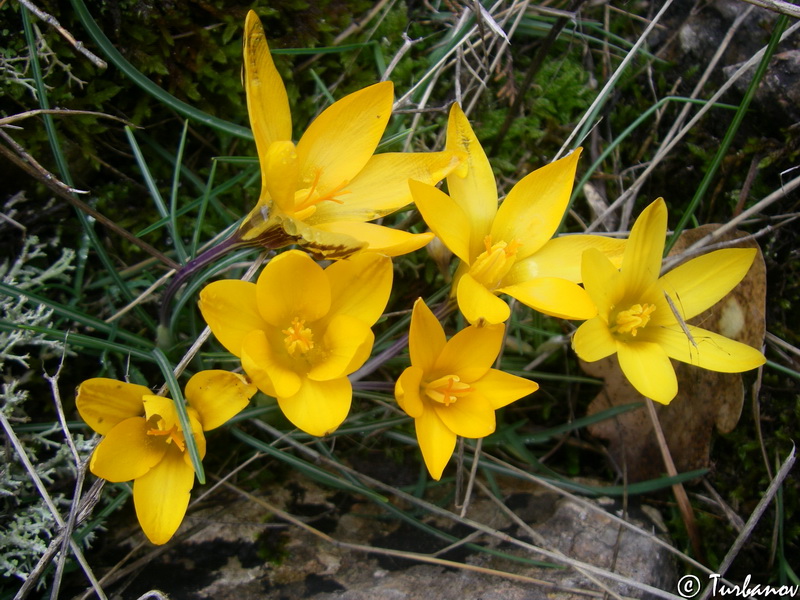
[
  {"x": 641, "y": 317},
  {"x": 451, "y": 389},
  {"x": 320, "y": 192},
  {"x": 143, "y": 440},
  {"x": 300, "y": 330},
  {"x": 509, "y": 250}
]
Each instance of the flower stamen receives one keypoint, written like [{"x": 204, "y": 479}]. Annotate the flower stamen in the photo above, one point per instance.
[
  {"x": 495, "y": 262},
  {"x": 636, "y": 317},
  {"x": 447, "y": 389},
  {"x": 299, "y": 338},
  {"x": 312, "y": 198},
  {"x": 173, "y": 435}
]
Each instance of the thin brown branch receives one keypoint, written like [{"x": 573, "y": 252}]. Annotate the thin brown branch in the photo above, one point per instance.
[
  {"x": 680, "y": 492},
  {"x": 32, "y": 167},
  {"x": 53, "y": 22},
  {"x": 778, "y": 6},
  {"x": 59, "y": 111}
]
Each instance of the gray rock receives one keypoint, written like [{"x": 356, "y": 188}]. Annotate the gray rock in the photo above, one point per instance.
[{"x": 242, "y": 553}]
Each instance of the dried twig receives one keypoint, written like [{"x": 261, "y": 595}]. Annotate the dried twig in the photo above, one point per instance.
[
  {"x": 53, "y": 22},
  {"x": 778, "y": 6},
  {"x": 737, "y": 545},
  {"x": 680, "y": 492},
  {"x": 31, "y": 166}
]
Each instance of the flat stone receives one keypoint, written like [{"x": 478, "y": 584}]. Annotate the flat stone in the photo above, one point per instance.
[{"x": 241, "y": 552}]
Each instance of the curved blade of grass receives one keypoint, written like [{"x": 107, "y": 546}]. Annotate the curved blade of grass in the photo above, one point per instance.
[
  {"x": 211, "y": 195},
  {"x": 309, "y": 470},
  {"x": 543, "y": 436},
  {"x": 186, "y": 173},
  {"x": 560, "y": 481},
  {"x": 166, "y": 214},
  {"x": 119, "y": 61},
  {"x": 75, "y": 315},
  {"x": 173, "y": 198},
  {"x": 578, "y": 189},
  {"x": 78, "y": 339},
  {"x": 63, "y": 169},
  {"x": 180, "y": 406},
  {"x": 201, "y": 213},
  {"x": 780, "y": 26}
]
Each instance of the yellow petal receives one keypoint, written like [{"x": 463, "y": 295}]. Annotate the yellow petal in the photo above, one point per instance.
[
  {"x": 470, "y": 416},
  {"x": 323, "y": 241},
  {"x": 318, "y": 407},
  {"x": 292, "y": 285},
  {"x": 406, "y": 391},
  {"x": 533, "y": 209},
  {"x": 470, "y": 353},
  {"x": 561, "y": 257},
  {"x": 346, "y": 346},
  {"x": 271, "y": 375},
  {"x": 218, "y": 395},
  {"x": 472, "y": 185},
  {"x": 501, "y": 388},
  {"x": 267, "y": 102},
  {"x": 103, "y": 402},
  {"x": 436, "y": 442},
  {"x": 360, "y": 286},
  {"x": 340, "y": 141},
  {"x": 426, "y": 338},
  {"x": 593, "y": 340},
  {"x": 381, "y": 187},
  {"x": 479, "y": 305},
  {"x": 230, "y": 309},
  {"x": 162, "y": 495},
  {"x": 602, "y": 281},
  {"x": 553, "y": 296},
  {"x": 445, "y": 218},
  {"x": 378, "y": 238},
  {"x": 280, "y": 171},
  {"x": 160, "y": 407},
  {"x": 127, "y": 452},
  {"x": 703, "y": 281},
  {"x": 708, "y": 350},
  {"x": 647, "y": 366},
  {"x": 641, "y": 262}
]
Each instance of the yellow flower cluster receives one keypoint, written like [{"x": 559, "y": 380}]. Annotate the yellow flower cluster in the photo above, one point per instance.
[{"x": 300, "y": 330}]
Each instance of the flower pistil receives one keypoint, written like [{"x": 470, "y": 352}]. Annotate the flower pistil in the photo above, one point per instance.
[
  {"x": 495, "y": 262},
  {"x": 447, "y": 389},
  {"x": 636, "y": 317},
  {"x": 298, "y": 337},
  {"x": 157, "y": 427}
]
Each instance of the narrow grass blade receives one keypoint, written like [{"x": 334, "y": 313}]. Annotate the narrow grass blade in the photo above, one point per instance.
[
  {"x": 780, "y": 26},
  {"x": 176, "y": 394},
  {"x": 114, "y": 57}
]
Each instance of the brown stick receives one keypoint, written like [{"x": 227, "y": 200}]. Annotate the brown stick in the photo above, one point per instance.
[
  {"x": 28, "y": 164},
  {"x": 680, "y": 492}
]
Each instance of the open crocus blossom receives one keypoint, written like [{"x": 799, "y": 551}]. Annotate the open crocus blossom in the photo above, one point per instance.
[
  {"x": 509, "y": 250},
  {"x": 301, "y": 330},
  {"x": 451, "y": 389},
  {"x": 143, "y": 440},
  {"x": 320, "y": 192},
  {"x": 642, "y": 317}
]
